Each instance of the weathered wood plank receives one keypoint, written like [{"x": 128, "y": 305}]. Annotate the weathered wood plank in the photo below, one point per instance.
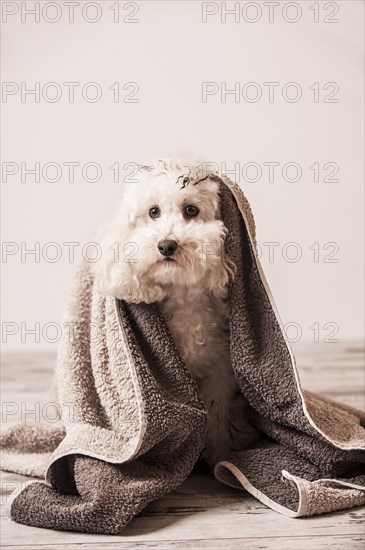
[
  {"x": 189, "y": 528},
  {"x": 336, "y": 542}
]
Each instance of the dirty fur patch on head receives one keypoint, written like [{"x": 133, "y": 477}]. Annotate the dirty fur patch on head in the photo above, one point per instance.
[{"x": 192, "y": 173}]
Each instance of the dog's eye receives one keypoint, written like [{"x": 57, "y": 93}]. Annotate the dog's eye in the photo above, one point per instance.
[
  {"x": 186, "y": 180},
  {"x": 191, "y": 211},
  {"x": 155, "y": 212}
]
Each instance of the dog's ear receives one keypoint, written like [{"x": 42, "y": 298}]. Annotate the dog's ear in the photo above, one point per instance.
[
  {"x": 220, "y": 275},
  {"x": 113, "y": 270},
  {"x": 221, "y": 268}
]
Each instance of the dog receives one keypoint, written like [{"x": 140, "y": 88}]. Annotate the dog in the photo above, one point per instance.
[{"x": 166, "y": 245}]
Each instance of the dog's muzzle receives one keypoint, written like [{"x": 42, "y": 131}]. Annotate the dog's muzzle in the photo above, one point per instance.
[{"x": 167, "y": 247}]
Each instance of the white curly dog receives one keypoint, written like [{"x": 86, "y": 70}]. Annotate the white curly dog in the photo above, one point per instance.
[{"x": 166, "y": 245}]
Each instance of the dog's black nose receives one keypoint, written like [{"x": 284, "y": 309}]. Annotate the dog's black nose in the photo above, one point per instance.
[{"x": 167, "y": 248}]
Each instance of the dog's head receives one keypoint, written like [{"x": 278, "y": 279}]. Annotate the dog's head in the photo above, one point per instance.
[{"x": 167, "y": 233}]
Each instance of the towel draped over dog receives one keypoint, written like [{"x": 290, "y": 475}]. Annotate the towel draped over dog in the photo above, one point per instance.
[{"x": 133, "y": 424}]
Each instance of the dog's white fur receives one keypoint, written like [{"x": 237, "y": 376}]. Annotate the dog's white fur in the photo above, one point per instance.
[{"x": 191, "y": 290}]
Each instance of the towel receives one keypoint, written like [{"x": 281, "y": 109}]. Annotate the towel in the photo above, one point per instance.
[{"x": 133, "y": 424}]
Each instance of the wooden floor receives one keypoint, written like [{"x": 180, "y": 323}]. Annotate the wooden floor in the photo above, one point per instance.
[{"x": 202, "y": 513}]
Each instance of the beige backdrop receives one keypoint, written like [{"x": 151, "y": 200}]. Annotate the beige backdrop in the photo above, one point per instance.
[{"x": 171, "y": 63}]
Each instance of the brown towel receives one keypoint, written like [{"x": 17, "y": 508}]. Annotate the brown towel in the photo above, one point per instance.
[{"x": 134, "y": 424}]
